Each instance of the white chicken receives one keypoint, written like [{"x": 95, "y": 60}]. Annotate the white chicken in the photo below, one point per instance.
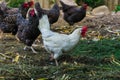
[{"x": 56, "y": 43}]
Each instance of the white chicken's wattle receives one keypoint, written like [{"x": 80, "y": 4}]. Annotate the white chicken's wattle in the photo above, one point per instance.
[{"x": 56, "y": 43}]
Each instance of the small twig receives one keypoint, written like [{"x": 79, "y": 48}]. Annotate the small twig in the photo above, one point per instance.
[
  {"x": 115, "y": 32},
  {"x": 8, "y": 2},
  {"x": 65, "y": 77},
  {"x": 116, "y": 62},
  {"x": 113, "y": 60},
  {"x": 85, "y": 51},
  {"x": 4, "y": 55}
]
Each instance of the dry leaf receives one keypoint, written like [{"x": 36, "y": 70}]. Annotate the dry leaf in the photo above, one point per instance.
[{"x": 16, "y": 59}]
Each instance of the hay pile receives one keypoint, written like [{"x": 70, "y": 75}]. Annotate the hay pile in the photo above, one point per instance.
[{"x": 105, "y": 26}]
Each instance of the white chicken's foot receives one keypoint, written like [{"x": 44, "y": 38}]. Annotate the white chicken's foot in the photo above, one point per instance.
[
  {"x": 33, "y": 50},
  {"x": 52, "y": 57}
]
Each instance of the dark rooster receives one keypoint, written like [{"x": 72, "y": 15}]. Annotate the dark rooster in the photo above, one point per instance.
[
  {"x": 25, "y": 7},
  {"x": 28, "y": 30},
  {"x": 73, "y": 14},
  {"x": 53, "y": 13}
]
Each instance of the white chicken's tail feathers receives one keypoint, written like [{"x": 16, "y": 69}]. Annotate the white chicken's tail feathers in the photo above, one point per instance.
[{"x": 44, "y": 23}]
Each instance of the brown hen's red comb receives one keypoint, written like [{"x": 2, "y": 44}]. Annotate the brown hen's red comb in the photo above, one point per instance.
[
  {"x": 85, "y": 6},
  {"x": 25, "y": 5}
]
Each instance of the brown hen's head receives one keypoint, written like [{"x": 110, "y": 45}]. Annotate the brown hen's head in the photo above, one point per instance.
[
  {"x": 31, "y": 3},
  {"x": 25, "y": 5},
  {"x": 32, "y": 12},
  {"x": 83, "y": 31},
  {"x": 85, "y": 6}
]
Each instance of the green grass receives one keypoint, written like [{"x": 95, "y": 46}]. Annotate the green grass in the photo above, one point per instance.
[
  {"x": 89, "y": 60},
  {"x": 117, "y": 8},
  {"x": 99, "y": 49}
]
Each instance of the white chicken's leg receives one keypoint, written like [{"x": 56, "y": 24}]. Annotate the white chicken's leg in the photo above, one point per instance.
[
  {"x": 52, "y": 57},
  {"x": 33, "y": 50},
  {"x": 56, "y": 55}
]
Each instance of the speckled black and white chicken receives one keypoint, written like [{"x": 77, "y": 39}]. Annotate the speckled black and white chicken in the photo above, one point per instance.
[{"x": 28, "y": 29}]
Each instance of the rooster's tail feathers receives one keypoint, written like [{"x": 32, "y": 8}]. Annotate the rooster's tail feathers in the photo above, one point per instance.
[
  {"x": 56, "y": 6},
  {"x": 38, "y": 9}
]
